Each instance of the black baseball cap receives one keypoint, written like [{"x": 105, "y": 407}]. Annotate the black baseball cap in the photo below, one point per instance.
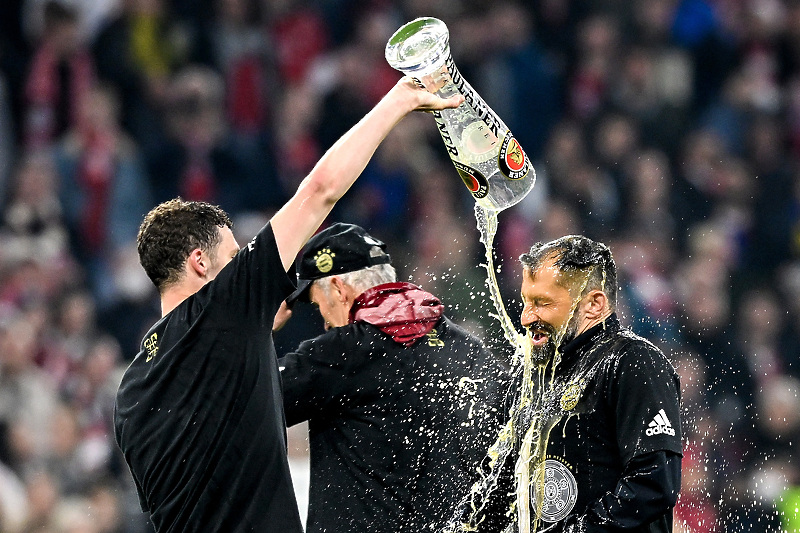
[{"x": 338, "y": 249}]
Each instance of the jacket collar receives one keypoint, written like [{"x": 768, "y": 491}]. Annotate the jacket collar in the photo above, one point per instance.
[{"x": 571, "y": 348}]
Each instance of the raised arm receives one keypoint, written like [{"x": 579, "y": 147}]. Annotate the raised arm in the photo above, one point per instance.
[{"x": 330, "y": 178}]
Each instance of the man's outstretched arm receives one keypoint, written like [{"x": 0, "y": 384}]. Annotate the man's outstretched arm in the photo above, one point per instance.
[{"x": 338, "y": 169}]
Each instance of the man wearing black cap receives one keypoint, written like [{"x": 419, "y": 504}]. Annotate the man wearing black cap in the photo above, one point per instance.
[{"x": 401, "y": 402}]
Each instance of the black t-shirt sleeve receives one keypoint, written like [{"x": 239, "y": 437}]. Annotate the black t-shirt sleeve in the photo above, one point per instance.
[
  {"x": 644, "y": 394},
  {"x": 313, "y": 377},
  {"x": 254, "y": 283}
]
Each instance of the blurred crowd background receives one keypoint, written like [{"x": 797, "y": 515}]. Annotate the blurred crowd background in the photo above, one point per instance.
[{"x": 669, "y": 129}]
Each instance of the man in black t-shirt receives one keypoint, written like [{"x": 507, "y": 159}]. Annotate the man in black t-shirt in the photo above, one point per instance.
[
  {"x": 606, "y": 404},
  {"x": 198, "y": 414},
  {"x": 401, "y": 403}
]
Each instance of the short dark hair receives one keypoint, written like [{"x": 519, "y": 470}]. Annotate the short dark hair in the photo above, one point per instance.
[
  {"x": 171, "y": 230},
  {"x": 574, "y": 254}
]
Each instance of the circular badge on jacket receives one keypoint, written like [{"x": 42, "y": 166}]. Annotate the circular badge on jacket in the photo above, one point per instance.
[{"x": 560, "y": 491}]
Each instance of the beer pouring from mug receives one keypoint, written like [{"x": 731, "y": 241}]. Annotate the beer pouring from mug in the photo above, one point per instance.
[{"x": 490, "y": 161}]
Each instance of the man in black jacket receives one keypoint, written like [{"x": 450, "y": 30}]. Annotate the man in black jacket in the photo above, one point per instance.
[
  {"x": 401, "y": 402},
  {"x": 597, "y": 439}
]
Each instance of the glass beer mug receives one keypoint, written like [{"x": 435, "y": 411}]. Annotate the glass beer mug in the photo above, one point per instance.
[{"x": 490, "y": 161}]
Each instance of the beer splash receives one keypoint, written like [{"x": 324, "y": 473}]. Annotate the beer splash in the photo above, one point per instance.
[{"x": 532, "y": 415}]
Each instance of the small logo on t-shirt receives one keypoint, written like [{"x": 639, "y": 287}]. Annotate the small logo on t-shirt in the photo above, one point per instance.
[
  {"x": 324, "y": 260},
  {"x": 151, "y": 345},
  {"x": 433, "y": 338},
  {"x": 660, "y": 424}
]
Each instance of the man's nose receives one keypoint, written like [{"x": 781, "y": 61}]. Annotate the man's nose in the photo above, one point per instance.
[{"x": 528, "y": 316}]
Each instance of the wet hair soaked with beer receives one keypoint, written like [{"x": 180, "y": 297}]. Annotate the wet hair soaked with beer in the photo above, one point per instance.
[
  {"x": 576, "y": 256},
  {"x": 169, "y": 233}
]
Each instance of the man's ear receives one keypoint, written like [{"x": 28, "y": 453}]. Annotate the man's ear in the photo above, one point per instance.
[
  {"x": 198, "y": 262},
  {"x": 595, "y": 304},
  {"x": 339, "y": 289}
]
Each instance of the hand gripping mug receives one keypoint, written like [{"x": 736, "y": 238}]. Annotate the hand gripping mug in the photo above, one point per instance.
[{"x": 490, "y": 161}]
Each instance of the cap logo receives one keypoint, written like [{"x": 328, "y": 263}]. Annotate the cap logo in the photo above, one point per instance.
[{"x": 324, "y": 260}]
